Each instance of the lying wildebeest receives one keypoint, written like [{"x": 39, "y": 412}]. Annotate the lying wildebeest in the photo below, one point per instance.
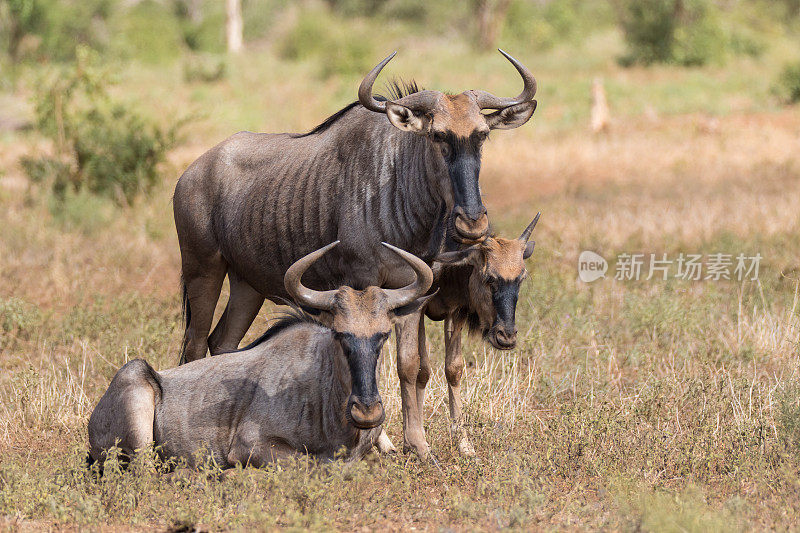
[
  {"x": 252, "y": 203},
  {"x": 303, "y": 387},
  {"x": 479, "y": 287}
]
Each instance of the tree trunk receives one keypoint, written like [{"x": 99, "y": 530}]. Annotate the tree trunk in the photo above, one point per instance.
[
  {"x": 491, "y": 15},
  {"x": 234, "y": 25}
]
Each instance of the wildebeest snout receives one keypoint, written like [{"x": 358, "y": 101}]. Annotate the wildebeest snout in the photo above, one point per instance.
[
  {"x": 503, "y": 339},
  {"x": 472, "y": 225},
  {"x": 365, "y": 414}
]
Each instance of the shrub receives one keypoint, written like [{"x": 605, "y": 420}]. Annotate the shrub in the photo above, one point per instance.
[
  {"x": 787, "y": 418},
  {"x": 338, "y": 47},
  {"x": 101, "y": 146},
  {"x": 149, "y": 32},
  {"x": 788, "y": 87},
  {"x": 204, "y": 68},
  {"x": 542, "y": 25},
  {"x": 18, "y": 319},
  {"x": 52, "y": 29},
  {"x": 686, "y": 32}
]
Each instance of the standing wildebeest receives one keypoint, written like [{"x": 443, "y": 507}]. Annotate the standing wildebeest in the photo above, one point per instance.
[
  {"x": 492, "y": 273},
  {"x": 303, "y": 387},
  {"x": 252, "y": 203}
]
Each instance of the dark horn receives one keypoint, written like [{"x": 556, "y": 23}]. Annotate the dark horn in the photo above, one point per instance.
[
  {"x": 322, "y": 300},
  {"x": 527, "y": 233},
  {"x": 487, "y": 100},
  {"x": 365, "y": 89},
  {"x": 406, "y": 295}
]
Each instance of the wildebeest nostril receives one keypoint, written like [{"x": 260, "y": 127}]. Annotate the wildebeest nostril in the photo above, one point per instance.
[
  {"x": 506, "y": 339},
  {"x": 471, "y": 229},
  {"x": 365, "y": 415}
]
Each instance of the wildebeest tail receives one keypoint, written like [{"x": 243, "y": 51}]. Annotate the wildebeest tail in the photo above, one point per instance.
[
  {"x": 153, "y": 379},
  {"x": 186, "y": 311}
]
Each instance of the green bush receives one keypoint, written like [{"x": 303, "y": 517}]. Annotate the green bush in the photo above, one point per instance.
[
  {"x": 685, "y": 32},
  {"x": 788, "y": 87},
  {"x": 338, "y": 47},
  {"x": 149, "y": 32},
  {"x": 18, "y": 320},
  {"x": 102, "y": 146},
  {"x": 204, "y": 68},
  {"x": 202, "y": 24},
  {"x": 787, "y": 417},
  {"x": 52, "y": 29},
  {"x": 544, "y": 24}
]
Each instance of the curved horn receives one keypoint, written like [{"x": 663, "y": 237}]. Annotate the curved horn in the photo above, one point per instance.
[
  {"x": 406, "y": 295},
  {"x": 487, "y": 100},
  {"x": 527, "y": 233},
  {"x": 365, "y": 89},
  {"x": 322, "y": 300}
]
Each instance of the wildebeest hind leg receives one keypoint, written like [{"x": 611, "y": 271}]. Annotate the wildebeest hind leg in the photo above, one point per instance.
[
  {"x": 203, "y": 286},
  {"x": 243, "y": 305},
  {"x": 124, "y": 416}
]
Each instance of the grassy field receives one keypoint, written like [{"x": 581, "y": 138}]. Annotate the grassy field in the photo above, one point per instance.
[{"x": 657, "y": 405}]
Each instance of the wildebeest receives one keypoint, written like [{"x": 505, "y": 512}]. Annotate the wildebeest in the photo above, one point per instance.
[
  {"x": 303, "y": 387},
  {"x": 479, "y": 287},
  {"x": 249, "y": 205}
]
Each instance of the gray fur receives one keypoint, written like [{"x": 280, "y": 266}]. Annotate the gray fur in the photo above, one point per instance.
[
  {"x": 256, "y": 202},
  {"x": 284, "y": 396}
]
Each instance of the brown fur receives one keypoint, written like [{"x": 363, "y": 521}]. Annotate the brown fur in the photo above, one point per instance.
[
  {"x": 361, "y": 313},
  {"x": 496, "y": 262},
  {"x": 503, "y": 257},
  {"x": 458, "y": 114}
]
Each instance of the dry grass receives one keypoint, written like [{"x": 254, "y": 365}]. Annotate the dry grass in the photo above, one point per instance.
[{"x": 653, "y": 405}]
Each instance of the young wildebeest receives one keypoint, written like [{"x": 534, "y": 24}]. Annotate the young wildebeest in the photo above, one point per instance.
[
  {"x": 303, "y": 387},
  {"x": 478, "y": 286}
]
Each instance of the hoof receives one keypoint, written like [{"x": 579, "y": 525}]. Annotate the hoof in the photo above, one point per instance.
[
  {"x": 423, "y": 452},
  {"x": 384, "y": 444},
  {"x": 465, "y": 448}
]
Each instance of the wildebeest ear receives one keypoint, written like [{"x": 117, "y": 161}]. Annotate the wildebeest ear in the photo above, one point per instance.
[
  {"x": 414, "y": 306},
  {"x": 456, "y": 257},
  {"x": 404, "y": 119},
  {"x": 511, "y": 117},
  {"x": 528, "y": 249}
]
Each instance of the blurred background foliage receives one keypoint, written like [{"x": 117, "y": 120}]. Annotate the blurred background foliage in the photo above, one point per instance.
[
  {"x": 688, "y": 32},
  {"x": 293, "y": 47}
]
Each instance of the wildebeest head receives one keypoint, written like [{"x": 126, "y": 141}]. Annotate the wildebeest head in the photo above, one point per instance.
[
  {"x": 458, "y": 126},
  {"x": 498, "y": 270},
  {"x": 361, "y": 322}
]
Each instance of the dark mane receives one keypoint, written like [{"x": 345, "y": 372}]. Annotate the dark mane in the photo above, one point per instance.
[
  {"x": 284, "y": 320},
  {"x": 328, "y": 121},
  {"x": 397, "y": 88}
]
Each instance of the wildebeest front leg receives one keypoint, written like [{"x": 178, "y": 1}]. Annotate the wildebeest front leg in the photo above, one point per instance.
[
  {"x": 244, "y": 303},
  {"x": 424, "y": 365},
  {"x": 249, "y": 449},
  {"x": 454, "y": 369},
  {"x": 408, "y": 370}
]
